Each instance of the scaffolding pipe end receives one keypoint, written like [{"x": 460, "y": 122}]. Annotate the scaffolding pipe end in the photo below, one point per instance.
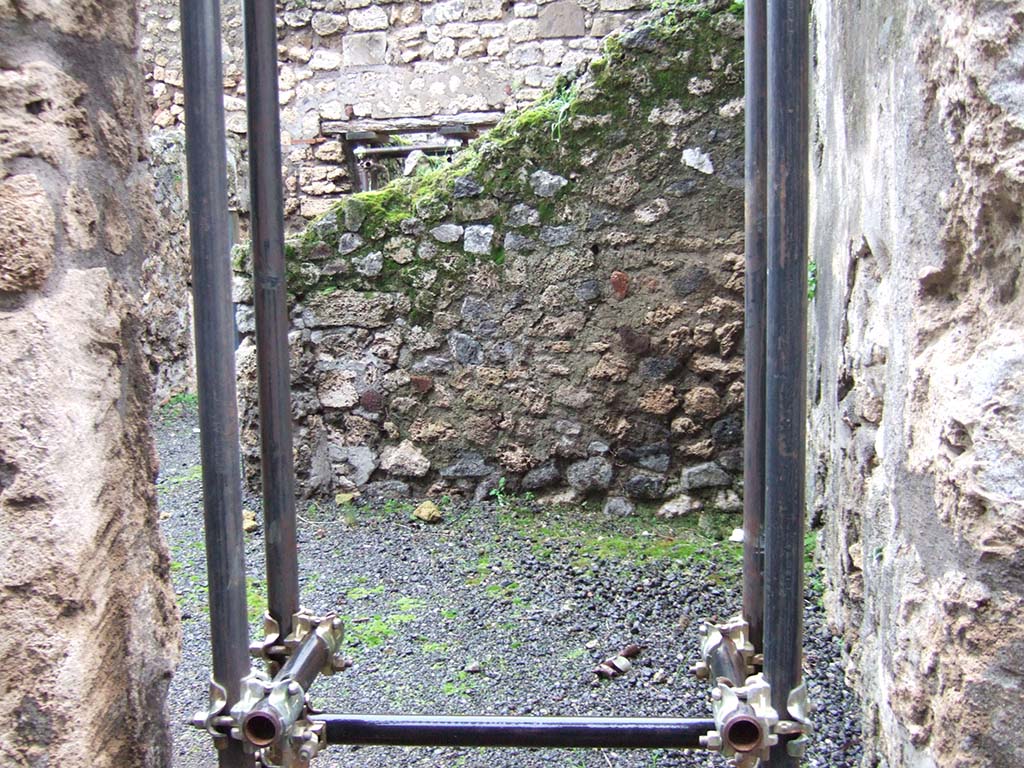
[
  {"x": 262, "y": 727},
  {"x": 744, "y": 733}
]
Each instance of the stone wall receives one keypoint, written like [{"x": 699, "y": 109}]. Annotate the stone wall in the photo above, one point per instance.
[
  {"x": 89, "y": 618},
  {"x": 343, "y": 62},
  {"x": 918, "y": 387},
  {"x": 560, "y": 306},
  {"x": 349, "y": 60}
]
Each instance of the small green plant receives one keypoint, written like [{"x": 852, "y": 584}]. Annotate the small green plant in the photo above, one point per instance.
[
  {"x": 397, "y": 507},
  {"x": 498, "y": 494},
  {"x": 192, "y": 474},
  {"x": 509, "y": 502},
  {"x": 562, "y": 104},
  {"x": 575, "y": 653},
  {"x": 409, "y": 605},
  {"x": 462, "y": 685},
  {"x": 177, "y": 404},
  {"x": 432, "y": 647},
  {"x": 361, "y": 593},
  {"x": 812, "y": 279}
]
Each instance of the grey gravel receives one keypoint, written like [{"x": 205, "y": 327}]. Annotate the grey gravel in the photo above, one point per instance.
[{"x": 509, "y": 590}]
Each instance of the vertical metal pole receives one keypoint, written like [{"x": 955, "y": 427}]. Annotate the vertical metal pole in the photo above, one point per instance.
[
  {"x": 267, "y": 206},
  {"x": 755, "y": 44},
  {"x": 215, "y": 358},
  {"x": 785, "y": 392}
]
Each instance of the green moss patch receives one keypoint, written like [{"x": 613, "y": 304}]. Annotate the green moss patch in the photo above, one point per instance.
[{"x": 678, "y": 55}]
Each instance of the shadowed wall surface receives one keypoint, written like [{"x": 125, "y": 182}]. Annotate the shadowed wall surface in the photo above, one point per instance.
[
  {"x": 90, "y": 624},
  {"x": 917, "y": 384}
]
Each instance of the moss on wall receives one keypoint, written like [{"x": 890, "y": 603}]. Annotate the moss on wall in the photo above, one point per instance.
[{"x": 685, "y": 54}]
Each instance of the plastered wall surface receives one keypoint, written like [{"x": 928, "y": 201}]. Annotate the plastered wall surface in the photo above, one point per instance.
[
  {"x": 90, "y": 627},
  {"x": 917, "y": 389}
]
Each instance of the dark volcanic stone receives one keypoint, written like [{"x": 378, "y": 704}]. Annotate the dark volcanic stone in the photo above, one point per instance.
[
  {"x": 371, "y": 400},
  {"x": 728, "y": 431},
  {"x": 476, "y": 310},
  {"x": 501, "y": 352},
  {"x": 641, "y": 38},
  {"x": 731, "y": 459},
  {"x": 590, "y": 475},
  {"x": 466, "y": 186},
  {"x": 465, "y": 348},
  {"x": 541, "y": 477},
  {"x": 682, "y": 188},
  {"x": 421, "y": 384},
  {"x": 690, "y": 282},
  {"x": 634, "y": 342},
  {"x": 467, "y": 465},
  {"x": 432, "y": 364},
  {"x": 386, "y": 489},
  {"x": 706, "y": 475},
  {"x": 644, "y": 486},
  {"x": 659, "y": 367},
  {"x": 588, "y": 290}
]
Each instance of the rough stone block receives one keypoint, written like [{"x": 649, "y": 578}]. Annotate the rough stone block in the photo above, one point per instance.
[
  {"x": 590, "y": 475},
  {"x": 404, "y": 460},
  {"x": 368, "y": 19},
  {"x": 477, "y": 239},
  {"x": 353, "y": 308},
  {"x": 327, "y": 24},
  {"x": 560, "y": 19},
  {"x": 444, "y": 12},
  {"x": 706, "y": 475},
  {"x": 481, "y": 10},
  {"x": 26, "y": 233},
  {"x": 365, "y": 49}
]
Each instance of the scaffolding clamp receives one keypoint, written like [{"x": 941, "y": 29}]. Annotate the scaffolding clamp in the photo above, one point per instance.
[
  {"x": 745, "y": 721},
  {"x": 275, "y": 650},
  {"x": 272, "y": 715},
  {"x": 302, "y": 739},
  {"x": 215, "y": 719},
  {"x": 736, "y": 630},
  {"x": 800, "y": 708}
]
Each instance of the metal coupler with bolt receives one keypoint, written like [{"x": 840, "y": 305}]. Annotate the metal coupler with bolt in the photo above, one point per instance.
[{"x": 271, "y": 716}]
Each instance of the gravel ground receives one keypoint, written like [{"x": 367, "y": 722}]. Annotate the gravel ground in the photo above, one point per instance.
[{"x": 531, "y": 597}]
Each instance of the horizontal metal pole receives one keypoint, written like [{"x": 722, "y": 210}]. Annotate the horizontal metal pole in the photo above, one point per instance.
[
  {"x": 497, "y": 731},
  {"x": 398, "y": 151}
]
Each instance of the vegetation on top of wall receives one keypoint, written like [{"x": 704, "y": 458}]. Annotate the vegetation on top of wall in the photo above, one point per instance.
[{"x": 684, "y": 54}]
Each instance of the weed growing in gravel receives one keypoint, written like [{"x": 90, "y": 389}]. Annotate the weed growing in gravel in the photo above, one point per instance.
[
  {"x": 361, "y": 593},
  {"x": 503, "y": 592},
  {"x": 431, "y": 647},
  {"x": 190, "y": 475},
  {"x": 510, "y": 501},
  {"x": 462, "y": 685},
  {"x": 813, "y": 577},
  {"x": 640, "y": 539},
  {"x": 178, "y": 405},
  {"x": 396, "y": 507},
  {"x": 374, "y": 630},
  {"x": 574, "y": 654},
  {"x": 409, "y": 605}
]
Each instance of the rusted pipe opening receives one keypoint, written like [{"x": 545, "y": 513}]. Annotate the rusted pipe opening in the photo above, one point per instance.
[
  {"x": 261, "y": 728},
  {"x": 743, "y": 733}
]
